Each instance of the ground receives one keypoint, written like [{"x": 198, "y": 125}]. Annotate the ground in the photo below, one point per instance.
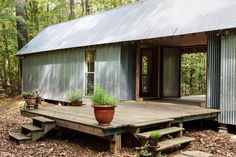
[{"x": 69, "y": 143}]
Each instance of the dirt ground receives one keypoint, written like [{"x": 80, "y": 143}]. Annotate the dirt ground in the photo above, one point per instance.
[{"x": 73, "y": 144}]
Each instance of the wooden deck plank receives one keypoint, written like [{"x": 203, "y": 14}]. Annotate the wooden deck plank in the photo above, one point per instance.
[{"x": 127, "y": 114}]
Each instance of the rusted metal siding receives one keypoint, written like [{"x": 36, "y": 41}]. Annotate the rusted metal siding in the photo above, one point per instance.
[
  {"x": 213, "y": 72},
  {"x": 228, "y": 78},
  {"x": 146, "y": 19},
  {"x": 54, "y": 74}
]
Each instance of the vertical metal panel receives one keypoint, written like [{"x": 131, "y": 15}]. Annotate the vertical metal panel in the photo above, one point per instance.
[
  {"x": 228, "y": 79},
  {"x": 54, "y": 74},
  {"x": 171, "y": 72},
  {"x": 213, "y": 75},
  {"x": 128, "y": 72},
  {"x": 107, "y": 69}
]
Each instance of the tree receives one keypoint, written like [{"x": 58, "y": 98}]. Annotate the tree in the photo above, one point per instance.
[
  {"x": 72, "y": 10},
  {"x": 21, "y": 25}
]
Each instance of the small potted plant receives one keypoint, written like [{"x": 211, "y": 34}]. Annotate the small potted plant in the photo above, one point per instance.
[
  {"x": 30, "y": 98},
  {"x": 144, "y": 152},
  {"x": 75, "y": 98},
  {"x": 104, "y": 106},
  {"x": 153, "y": 139}
]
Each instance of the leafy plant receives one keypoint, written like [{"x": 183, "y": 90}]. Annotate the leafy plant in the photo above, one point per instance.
[
  {"x": 100, "y": 97},
  {"x": 155, "y": 135},
  {"x": 144, "y": 152},
  {"x": 75, "y": 95},
  {"x": 30, "y": 94}
]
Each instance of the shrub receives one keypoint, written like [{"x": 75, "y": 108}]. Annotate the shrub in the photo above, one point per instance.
[
  {"x": 100, "y": 97},
  {"x": 75, "y": 96},
  {"x": 145, "y": 152},
  {"x": 155, "y": 134}
]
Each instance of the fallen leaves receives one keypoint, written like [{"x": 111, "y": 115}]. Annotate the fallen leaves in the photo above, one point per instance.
[{"x": 219, "y": 144}]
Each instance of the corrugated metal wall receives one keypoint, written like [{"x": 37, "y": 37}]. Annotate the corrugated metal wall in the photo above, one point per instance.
[
  {"x": 228, "y": 79},
  {"x": 128, "y": 71},
  {"x": 171, "y": 67},
  {"x": 213, "y": 72},
  {"x": 54, "y": 74},
  {"x": 107, "y": 69}
]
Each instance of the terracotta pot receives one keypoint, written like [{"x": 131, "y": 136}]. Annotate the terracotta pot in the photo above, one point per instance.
[
  {"x": 76, "y": 103},
  {"x": 104, "y": 114},
  {"x": 31, "y": 101}
]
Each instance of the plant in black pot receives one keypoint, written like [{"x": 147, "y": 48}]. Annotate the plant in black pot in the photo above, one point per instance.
[
  {"x": 144, "y": 152},
  {"x": 75, "y": 98},
  {"x": 154, "y": 139}
]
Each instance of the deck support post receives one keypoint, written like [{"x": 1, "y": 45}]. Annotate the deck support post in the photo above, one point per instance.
[
  {"x": 115, "y": 143},
  {"x": 181, "y": 126}
]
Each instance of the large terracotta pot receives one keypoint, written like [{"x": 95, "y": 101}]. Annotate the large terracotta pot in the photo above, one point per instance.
[{"x": 104, "y": 113}]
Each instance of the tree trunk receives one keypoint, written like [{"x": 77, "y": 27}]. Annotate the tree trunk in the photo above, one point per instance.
[
  {"x": 21, "y": 25},
  {"x": 6, "y": 60},
  {"x": 72, "y": 10},
  {"x": 87, "y": 7}
]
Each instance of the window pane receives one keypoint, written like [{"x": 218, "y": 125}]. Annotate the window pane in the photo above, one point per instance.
[
  {"x": 90, "y": 60},
  {"x": 90, "y": 83}
]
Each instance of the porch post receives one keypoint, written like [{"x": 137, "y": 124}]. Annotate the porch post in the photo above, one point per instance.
[
  {"x": 115, "y": 143},
  {"x": 137, "y": 98}
]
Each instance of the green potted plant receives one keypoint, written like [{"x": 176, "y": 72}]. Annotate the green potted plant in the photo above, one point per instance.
[
  {"x": 75, "y": 98},
  {"x": 154, "y": 138},
  {"x": 144, "y": 152},
  {"x": 30, "y": 97},
  {"x": 104, "y": 106}
]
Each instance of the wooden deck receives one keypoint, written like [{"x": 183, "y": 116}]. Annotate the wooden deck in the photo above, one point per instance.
[{"x": 128, "y": 115}]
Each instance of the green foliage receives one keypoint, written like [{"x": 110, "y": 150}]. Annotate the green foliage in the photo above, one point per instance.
[
  {"x": 193, "y": 74},
  {"x": 100, "y": 97},
  {"x": 144, "y": 152},
  {"x": 29, "y": 94},
  {"x": 155, "y": 134},
  {"x": 75, "y": 96}
]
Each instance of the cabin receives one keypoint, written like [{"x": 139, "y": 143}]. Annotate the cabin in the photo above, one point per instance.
[
  {"x": 134, "y": 52},
  {"x": 111, "y": 48}
]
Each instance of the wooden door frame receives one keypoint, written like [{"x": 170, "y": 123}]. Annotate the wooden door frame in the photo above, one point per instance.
[{"x": 138, "y": 69}]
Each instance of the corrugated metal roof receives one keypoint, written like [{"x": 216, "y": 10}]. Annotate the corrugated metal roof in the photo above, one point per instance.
[{"x": 144, "y": 20}]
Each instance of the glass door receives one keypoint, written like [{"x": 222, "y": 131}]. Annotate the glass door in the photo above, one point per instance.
[{"x": 148, "y": 79}]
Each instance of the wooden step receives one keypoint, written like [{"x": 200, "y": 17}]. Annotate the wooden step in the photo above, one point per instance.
[
  {"x": 155, "y": 122},
  {"x": 19, "y": 136},
  {"x": 164, "y": 131},
  {"x": 31, "y": 128},
  {"x": 174, "y": 142},
  {"x": 43, "y": 120}
]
